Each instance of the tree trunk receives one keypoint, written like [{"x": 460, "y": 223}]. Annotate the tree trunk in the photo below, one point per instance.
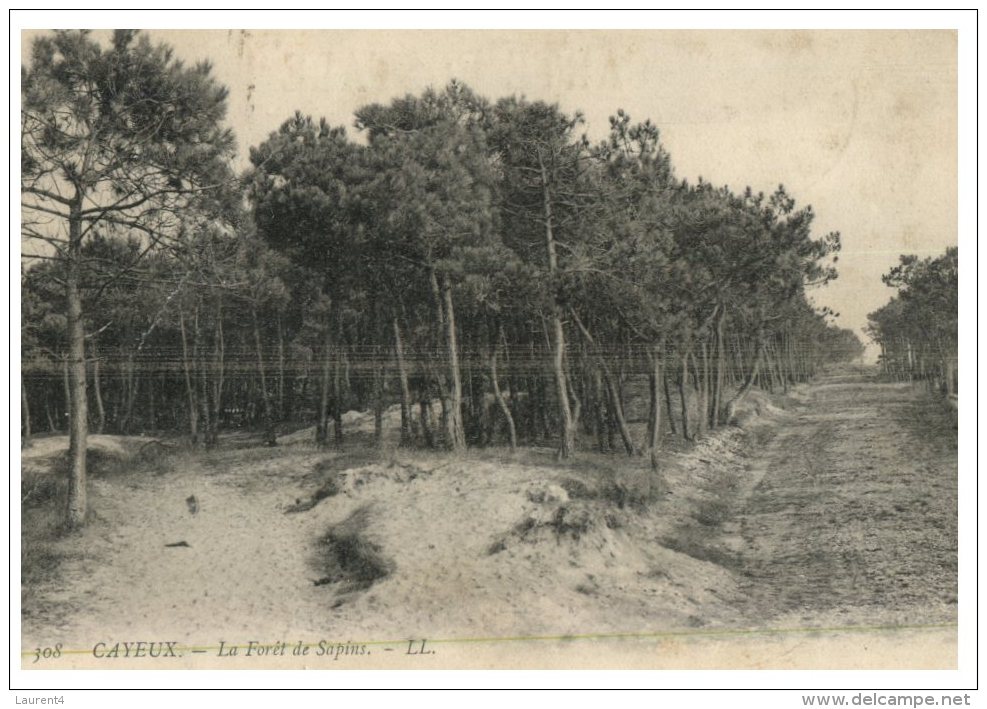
[
  {"x": 514, "y": 383},
  {"x": 205, "y": 391},
  {"x": 219, "y": 360},
  {"x": 782, "y": 366},
  {"x": 714, "y": 409},
  {"x": 774, "y": 364},
  {"x": 700, "y": 380},
  {"x": 567, "y": 444},
  {"x": 655, "y": 482},
  {"x": 270, "y": 437},
  {"x": 98, "y": 391},
  {"x": 617, "y": 408},
  {"x": 407, "y": 437},
  {"x": 425, "y": 409},
  {"x": 707, "y": 386},
  {"x": 498, "y": 394},
  {"x": 792, "y": 372},
  {"x": 25, "y": 417},
  {"x": 201, "y": 375},
  {"x": 454, "y": 421},
  {"x": 322, "y": 428},
  {"x": 950, "y": 375},
  {"x": 192, "y": 405},
  {"x": 131, "y": 394},
  {"x": 339, "y": 363},
  {"x": 616, "y": 402},
  {"x": 683, "y": 396},
  {"x": 599, "y": 411},
  {"x": 51, "y": 421},
  {"x": 337, "y": 392},
  {"x": 67, "y": 386},
  {"x": 152, "y": 419},
  {"x": 280, "y": 327},
  {"x": 611, "y": 422},
  {"x": 378, "y": 375},
  {"x": 668, "y": 405},
  {"x": 731, "y": 407},
  {"x": 78, "y": 415}
]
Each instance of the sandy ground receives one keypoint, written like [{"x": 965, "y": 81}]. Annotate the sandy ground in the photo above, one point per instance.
[
  {"x": 855, "y": 519},
  {"x": 839, "y": 511}
]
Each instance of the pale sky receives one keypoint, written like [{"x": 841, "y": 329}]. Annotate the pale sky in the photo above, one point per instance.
[{"x": 859, "y": 124}]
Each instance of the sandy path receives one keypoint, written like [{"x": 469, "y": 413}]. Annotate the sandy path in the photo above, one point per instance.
[{"x": 855, "y": 518}]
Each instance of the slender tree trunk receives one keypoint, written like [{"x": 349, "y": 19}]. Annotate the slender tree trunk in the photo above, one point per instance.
[
  {"x": 701, "y": 379},
  {"x": 774, "y": 362},
  {"x": 611, "y": 421},
  {"x": 131, "y": 394},
  {"x": 205, "y": 391},
  {"x": 67, "y": 386},
  {"x": 281, "y": 361},
  {"x": 683, "y": 397},
  {"x": 600, "y": 411},
  {"x": 609, "y": 380},
  {"x": 731, "y": 408},
  {"x": 407, "y": 436},
  {"x": 439, "y": 335},
  {"x": 721, "y": 363},
  {"x": 219, "y": 362},
  {"x": 322, "y": 428},
  {"x": 567, "y": 444},
  {"x": 337, "y": 392},
  {"x": 78, "y": 415},
  {"x": 201, "y": 375},
  {"x": 792, "y": 372},
  {"x": 152, "y": 419},
  {"x": 707, "y": 361},
  {"x": 98, "y": 391},
  {"x": 425, "y": 410},
  {"x": 656, "y": 483},
  {"x": 544, "y": 383},
  {"x": 498, "y": 394},
  {"x": 738, "y": 371},
  {"x": 378, "y": 364},
  {"x": 378, "y": 375},
  {"x": 668, "y": 405},
  {"x": 306, "y": 380},
  {"x": 205, "y": 407},
  {"x": 25, "y": 416},
  {"x": 617, "y": 408},
  {"x": 515, "y": 385},
  {"x": 270, "y": 437},
  {"x": 950, "y": 374},
  {"x": 781, "y": 361},
  {"x": 577, "y": 402},
  {"x": 192, "y": 407},
  {"x": 456, "y": 432}
]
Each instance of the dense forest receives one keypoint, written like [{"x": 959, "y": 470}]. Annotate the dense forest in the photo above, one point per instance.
[
  {"x": 917, "y": 329},
  {"x": 480, "y": 264}
]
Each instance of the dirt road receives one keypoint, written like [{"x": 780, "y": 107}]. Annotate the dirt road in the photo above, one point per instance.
[{"x": 855, "y": 518}]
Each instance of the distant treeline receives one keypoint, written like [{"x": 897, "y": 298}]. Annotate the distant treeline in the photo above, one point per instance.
[
  {"x": 917, "y": 329},
  {"x": 480, "y": 254}
]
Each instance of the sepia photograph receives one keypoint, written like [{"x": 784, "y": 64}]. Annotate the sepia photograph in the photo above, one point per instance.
[{"x": 385, "y": 349}]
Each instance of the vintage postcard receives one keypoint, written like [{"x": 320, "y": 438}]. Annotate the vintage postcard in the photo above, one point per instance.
[{"x": 476, "y": 349}]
